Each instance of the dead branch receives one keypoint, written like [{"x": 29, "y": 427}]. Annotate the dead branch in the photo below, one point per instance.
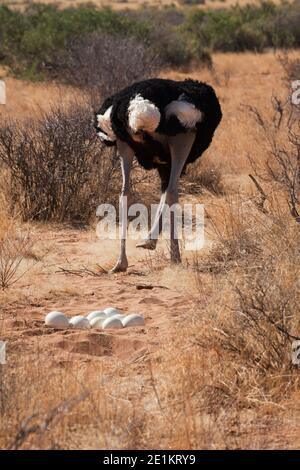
[
  {"x": 260, "y": 203},
  {"x": 39, "y": 424},
  {"x": 84, "y": 271}
]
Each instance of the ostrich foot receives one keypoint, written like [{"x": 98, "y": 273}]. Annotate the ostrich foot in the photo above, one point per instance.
[
  {"x": 120, "y": 267},
  {"x": 148, "y": 244}
]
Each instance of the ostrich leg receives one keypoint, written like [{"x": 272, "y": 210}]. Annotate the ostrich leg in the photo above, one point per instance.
[
  {"x": 180, "y": 147},
  {"x": 150, "y": 242},
  {"x": 126, "y": 156}
]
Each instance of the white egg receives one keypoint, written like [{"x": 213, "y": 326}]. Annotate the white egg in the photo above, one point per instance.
[
  {"x": 112, "y": 323},
  {"x": 97, "y": 322},
  {"x": 111, "y": 311},
  {"x": 118, "y": 315},
  {"x": 95, "y": 314},
  {"x": 80, "y": 322},
  {"x": 133, "y": 320},
  {"x": 57, "y": 320}
]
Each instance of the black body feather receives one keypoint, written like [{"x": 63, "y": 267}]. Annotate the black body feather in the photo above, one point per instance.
[{"x": 151, "y": 153}]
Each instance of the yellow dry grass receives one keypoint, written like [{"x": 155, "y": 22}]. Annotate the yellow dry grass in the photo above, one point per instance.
[{"x": 200, "y": 374}]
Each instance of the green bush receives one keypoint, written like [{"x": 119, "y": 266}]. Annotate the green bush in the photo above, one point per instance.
[
  {"x": 250, "y": 27},
  {"x": 30, "y": 42},
  {"x": 37, "y": 35},
  {"x": 166, "y": 37}
]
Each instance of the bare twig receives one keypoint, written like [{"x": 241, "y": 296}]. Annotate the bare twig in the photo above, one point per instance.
[
  {"x": 84, "y": 271},
  {"x": 39, "y": 424},
  {"x": 264, "y": 197}
]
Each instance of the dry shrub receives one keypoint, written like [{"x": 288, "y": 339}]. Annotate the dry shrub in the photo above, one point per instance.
[
  {"x": 4, "y": 216},
  {"x": 104, "y": 64},
  {"x": 58, "y": 169},
  {"x": 282, "y": 135},
  {"x": 204, "y": 397},
  {"x": 16, "y": 249},
  {"x": 201, "y": 176},
  {"x": 15, "y": 245},
  {"x": 265, "y": 321},
  {"x": 291, "y": 68},
  {"x": 255, "y": 320},
  {"x": 232, "y": 226}
]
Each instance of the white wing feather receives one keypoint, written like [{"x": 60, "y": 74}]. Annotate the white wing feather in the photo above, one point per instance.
[
  {"x": 104, "y": 122},
  {"x": 143, "y": 115}
]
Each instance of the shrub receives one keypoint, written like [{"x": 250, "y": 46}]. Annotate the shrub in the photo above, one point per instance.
[
  {"x": 15, "y": 245},
  {"x": 255, "y": 319},
  {"x": 31, "y": 41},
  {"x": 249, "y": 27},
  {"x": 58, "y": 169},
  {"x": 37, "y": 35},
  {"x": 265, "y": 315},
  {"x": 261, "y": 326},
  {"x": 166, "y": 35},
  {"x": 282, "y": 167},
  {"x": 208, "y": 177},
  {"x": 294, "y": 69},
  {"x": 171, "y": 46},
  {"x": 106, "y": 63}
]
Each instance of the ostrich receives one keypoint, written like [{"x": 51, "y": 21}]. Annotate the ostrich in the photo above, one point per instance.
[{"x": 166, "y": 125}]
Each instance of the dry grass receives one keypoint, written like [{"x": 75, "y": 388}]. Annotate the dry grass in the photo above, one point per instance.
[
  {"x": 131, "y": 4},
  {"x": 17, "y": 255},
  {"x": 203, "y": 176},
  {"x": 213, "y": 369},
  {"x": 82, "y": 409}
]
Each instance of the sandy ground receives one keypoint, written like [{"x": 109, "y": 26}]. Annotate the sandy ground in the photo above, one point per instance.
[{"x": 74, "y": 295}]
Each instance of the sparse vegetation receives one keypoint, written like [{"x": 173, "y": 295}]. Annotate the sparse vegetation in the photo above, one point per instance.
[
  {"x": 282, "y": 133},
  {"x": 255, "y": 263},
  {"x": 16, "y": 248},
  {"x": 104, "y": 64},
  {"x": 201, "y": 177},
  {"x": 58, "y": 170},
  {"x": 33, "y": 40},
  {"x": 249, "y": 27}
]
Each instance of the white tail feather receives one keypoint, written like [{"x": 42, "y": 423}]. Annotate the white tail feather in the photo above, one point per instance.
[{"x": 187, "y": 113}]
